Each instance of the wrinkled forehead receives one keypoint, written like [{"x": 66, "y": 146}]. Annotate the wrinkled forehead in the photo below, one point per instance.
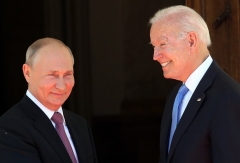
[
  {"x": 159, "y": 34},
  {"x": 159, "y": 29},
  {"x": 162, "y": 32}
]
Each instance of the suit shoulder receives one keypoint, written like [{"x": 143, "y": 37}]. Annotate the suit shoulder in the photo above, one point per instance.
[
  {"x": 226, "y": 81},
  {"x": 14, "y": 113},
  {"x": 73, "y": 117}
]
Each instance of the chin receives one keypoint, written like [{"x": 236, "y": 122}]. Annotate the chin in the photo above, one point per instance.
[
  {"x": 56, "y": 104},
  {"x": 169, "y": 76},
  {"x": 166, "y": 76}
]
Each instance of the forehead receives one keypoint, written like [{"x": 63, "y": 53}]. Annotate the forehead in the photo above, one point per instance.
[
  {"x": 159, "y": 31},
  {"x": 53, "y": 50},
  {"x": 54, "y": 54},
  {"x": 162, "y": 32}
]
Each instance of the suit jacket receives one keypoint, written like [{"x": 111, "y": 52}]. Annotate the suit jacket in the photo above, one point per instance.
[
  {"x": 209, "y": 129},
  {"x": 28, "y": 136}
]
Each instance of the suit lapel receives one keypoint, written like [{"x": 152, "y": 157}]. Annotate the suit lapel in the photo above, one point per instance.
[
  {"x": 193, "y": 106},
  {"x": 76, "y": 135},
  {"x": 185, "y": 121},
  {"x": 44, "y": 126}
]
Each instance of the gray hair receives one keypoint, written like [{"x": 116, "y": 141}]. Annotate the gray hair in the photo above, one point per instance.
[
  {"x": 186, "y": 19},
  {"x": 33, "y": 49}
]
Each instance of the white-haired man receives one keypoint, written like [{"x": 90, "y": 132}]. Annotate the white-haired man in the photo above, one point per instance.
[{"x": 201, "y": 120}]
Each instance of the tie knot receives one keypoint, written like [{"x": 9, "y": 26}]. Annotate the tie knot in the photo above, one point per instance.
[
  {"x": 57, "y": 118},
  {"x": 183, "y": 89}
]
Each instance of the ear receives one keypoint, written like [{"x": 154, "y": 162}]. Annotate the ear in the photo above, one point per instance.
[
  {"x": 192, "y": 40},
  {"x": 26, "y": 72}
]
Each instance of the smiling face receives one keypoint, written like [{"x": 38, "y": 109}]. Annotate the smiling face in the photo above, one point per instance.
[
  {"x": 50, "y": 79},
  {"x": 171, "y": 51}
]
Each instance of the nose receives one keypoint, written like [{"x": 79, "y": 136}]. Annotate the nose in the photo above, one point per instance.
[
  {"x": 157, "y": 54},
  {"x": 60, "y": 85}
]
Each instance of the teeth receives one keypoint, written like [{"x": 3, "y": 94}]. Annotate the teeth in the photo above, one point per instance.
[{"x": 164, "y": 64}]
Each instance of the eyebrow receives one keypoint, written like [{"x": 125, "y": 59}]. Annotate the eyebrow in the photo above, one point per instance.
[
  {"x": 161, "y": 38},
  {"x": 52, "y": 71}
]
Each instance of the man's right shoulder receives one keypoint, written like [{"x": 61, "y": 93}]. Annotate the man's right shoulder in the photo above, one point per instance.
[{"x": 13, "y": 114}]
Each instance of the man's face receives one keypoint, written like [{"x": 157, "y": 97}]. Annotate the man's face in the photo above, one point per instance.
[
  {"x": 171, "y": 52},
  {"x": 51, "y": 77}
]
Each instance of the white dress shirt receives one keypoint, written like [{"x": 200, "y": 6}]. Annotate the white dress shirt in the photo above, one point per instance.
[
  {"x": 49, "y": 113},
  {"x": 193, "y": 80}
]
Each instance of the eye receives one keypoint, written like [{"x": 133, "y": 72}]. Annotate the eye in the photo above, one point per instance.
[
  {"x": 68, "y": 74},
  {"x": 52, "y": 75}
]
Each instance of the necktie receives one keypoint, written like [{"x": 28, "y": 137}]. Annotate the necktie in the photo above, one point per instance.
[
  {"x": 176, "y": 111},
  {"x": 58, "y": 120}
]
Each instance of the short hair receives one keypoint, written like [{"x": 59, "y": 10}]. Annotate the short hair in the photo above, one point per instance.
[
  {"x": 186, "y": 19},
  {"x": 34, "y": 48}
]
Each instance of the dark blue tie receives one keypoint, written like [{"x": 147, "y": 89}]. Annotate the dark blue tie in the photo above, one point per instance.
[{"x": 176, "y": 111}]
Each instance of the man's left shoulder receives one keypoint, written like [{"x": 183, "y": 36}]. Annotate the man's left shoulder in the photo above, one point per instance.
[{"x": 74, "y": 118}]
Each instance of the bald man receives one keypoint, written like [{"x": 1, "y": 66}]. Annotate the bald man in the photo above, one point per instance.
[{"x": 29, "y": 131}]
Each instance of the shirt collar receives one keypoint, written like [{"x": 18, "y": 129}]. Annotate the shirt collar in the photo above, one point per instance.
[
  {"x": 196, "y": 76},
  {"x": 49, "y": 113}
]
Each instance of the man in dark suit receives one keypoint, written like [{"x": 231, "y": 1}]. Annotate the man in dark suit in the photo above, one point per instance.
[
  {"x": 38, "y": 129},
  {"x": 204, "y": 125}
]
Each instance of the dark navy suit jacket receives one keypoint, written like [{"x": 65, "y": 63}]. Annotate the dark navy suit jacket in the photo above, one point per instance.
[
  {"x": 209, "y": 130},
  {"x": 28, "y": 136}
]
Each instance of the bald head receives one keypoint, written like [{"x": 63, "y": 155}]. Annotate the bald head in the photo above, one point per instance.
[{"x": 32, "y": 51}]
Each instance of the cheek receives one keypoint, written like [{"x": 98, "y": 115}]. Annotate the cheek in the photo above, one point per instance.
[
  {"x": 47, "y": 84},
  {"x": 69, "y": 83},
  {"x": 181, "y": 55}
]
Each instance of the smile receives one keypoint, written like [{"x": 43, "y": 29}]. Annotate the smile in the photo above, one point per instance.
[
  {"x": 58, "y": 94},
  {"x": 165, "y": 64}
]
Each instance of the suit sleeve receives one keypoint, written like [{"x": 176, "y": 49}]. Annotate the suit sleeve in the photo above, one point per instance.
[{"x": 16, "y": 145}]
